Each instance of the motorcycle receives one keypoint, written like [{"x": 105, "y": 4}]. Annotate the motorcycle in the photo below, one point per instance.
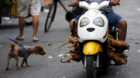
[
  {"x": 92, "y": 43},
  {"x": 92, "y": 32}
]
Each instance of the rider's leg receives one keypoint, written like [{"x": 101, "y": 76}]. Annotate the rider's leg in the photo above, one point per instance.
[
  {"x": 122, "y": 24},
  {"x": 117, "y": 21},
  {"x": 72, "y": 23},
  {"x": 73, "y": 26}
]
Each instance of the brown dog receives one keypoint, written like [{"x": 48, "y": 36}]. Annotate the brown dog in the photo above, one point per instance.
[{"x": 17, "y": 51}]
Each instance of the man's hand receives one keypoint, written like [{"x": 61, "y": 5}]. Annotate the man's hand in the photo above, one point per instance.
[
  {"x": 73, "y": 2},
  {"x": 115, "y": 2}
]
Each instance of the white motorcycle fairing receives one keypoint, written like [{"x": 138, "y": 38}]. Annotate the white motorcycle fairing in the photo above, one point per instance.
[{"x": 91, "y": 31}]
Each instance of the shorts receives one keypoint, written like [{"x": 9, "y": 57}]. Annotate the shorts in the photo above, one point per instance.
[
  {"x": 112, "y": 17},
  {"x": 29, "y": 6}
]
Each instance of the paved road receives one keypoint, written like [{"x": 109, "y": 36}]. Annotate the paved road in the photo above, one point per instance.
[{"x": 49, "y": 66}]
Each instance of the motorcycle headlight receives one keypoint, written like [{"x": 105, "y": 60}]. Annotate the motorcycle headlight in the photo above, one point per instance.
[
  {"x": 85, "y": 21},
  {"x": 98, "y": 21}
]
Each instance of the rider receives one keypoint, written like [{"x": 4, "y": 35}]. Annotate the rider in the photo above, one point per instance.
[{"x": 113, "y": 18}]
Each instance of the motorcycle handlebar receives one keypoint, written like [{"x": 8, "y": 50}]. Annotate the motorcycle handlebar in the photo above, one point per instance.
[{"x": 95, "y": 5}]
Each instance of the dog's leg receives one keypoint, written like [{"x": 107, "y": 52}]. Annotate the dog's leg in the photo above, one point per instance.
[
  {"x": 26, "y": 63},
  {"x": 16, "y": 58},
  {"x": 8, "y": 60},
  {"x": 23, "y": 61}
]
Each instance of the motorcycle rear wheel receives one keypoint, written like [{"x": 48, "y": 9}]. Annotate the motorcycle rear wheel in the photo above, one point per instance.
[{"x": 91, "y": 67}]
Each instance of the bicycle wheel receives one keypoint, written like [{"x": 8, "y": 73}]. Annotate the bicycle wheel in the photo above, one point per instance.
[{"x": 51, "y": 15}]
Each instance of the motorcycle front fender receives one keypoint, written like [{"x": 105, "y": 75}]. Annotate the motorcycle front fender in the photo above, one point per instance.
[{"x": 91, "y": 48}]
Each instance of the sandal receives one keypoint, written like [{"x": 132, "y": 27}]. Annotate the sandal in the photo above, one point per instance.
[
  {"x": 20, "y": 39},
  {"x": 35, "y": 40}
]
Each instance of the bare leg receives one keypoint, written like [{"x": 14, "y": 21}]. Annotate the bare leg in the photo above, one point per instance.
[
  {"x": 122, "y": 29},
  {"x": 21, "y": 27},
  {"x": 35, "y": 27},
  {"x": 72, "y": 24},
  {"x": 17, "y": 62},
  {"x": 73, "y": 27},
  {"x": 8, "y": 60}
]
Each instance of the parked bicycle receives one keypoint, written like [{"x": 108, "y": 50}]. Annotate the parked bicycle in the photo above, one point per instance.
[{"x": 52, "y": 13}]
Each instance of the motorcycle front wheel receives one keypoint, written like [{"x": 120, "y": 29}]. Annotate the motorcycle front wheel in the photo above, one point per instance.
[{"x": 90, "y": 66}]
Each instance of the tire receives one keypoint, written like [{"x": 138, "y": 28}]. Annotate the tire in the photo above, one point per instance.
[
  {"x": 91, "y": 67},
  {"x": 29, "y": 20},
  {"x": 50, "y": 16}
]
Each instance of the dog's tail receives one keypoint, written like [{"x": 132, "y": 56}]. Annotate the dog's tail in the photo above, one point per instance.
[{"x": 12, "y": 45}]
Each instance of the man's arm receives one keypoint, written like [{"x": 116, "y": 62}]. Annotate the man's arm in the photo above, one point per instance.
[
  {"x": 74, "y": 2},
  {"x": 115, "y": 2}
]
